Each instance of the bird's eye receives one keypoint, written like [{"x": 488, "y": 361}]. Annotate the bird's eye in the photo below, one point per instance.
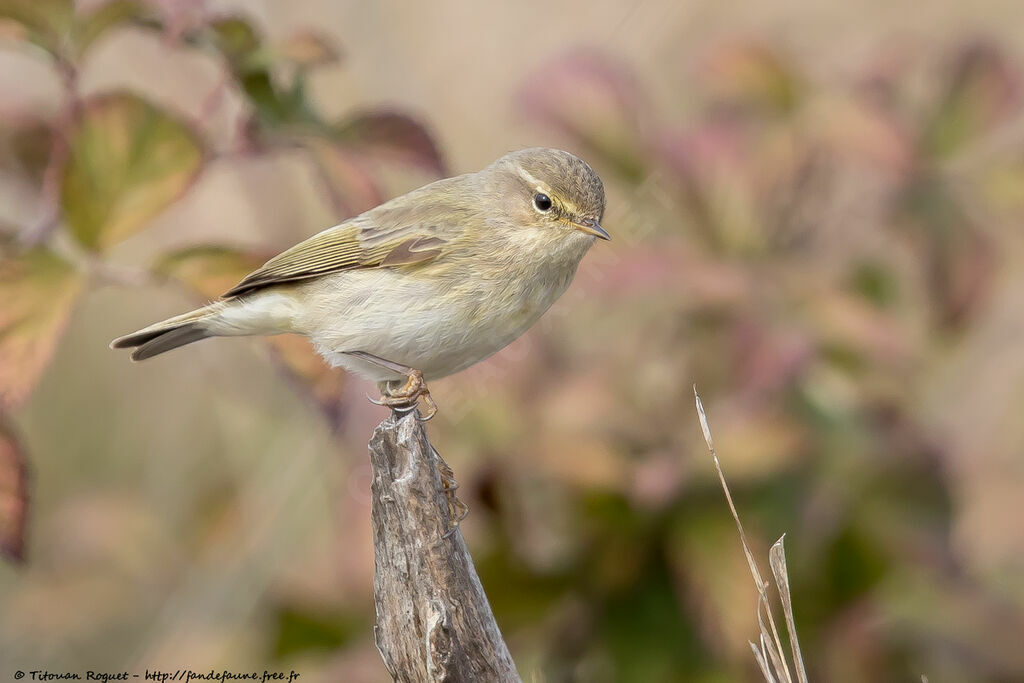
[{"x": 542, "y": 202}]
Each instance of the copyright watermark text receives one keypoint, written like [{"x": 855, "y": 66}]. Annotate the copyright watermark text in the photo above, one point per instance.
[{"x": 182, "y": 675}]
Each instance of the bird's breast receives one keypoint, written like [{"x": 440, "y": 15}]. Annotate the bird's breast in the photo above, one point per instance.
[{"x": 438, "y": 320}]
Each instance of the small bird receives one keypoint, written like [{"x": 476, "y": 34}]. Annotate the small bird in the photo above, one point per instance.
[{"x": 422, "y": 286}]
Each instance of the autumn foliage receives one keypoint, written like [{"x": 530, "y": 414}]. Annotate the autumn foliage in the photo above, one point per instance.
[{"x": 833, "y": 260}]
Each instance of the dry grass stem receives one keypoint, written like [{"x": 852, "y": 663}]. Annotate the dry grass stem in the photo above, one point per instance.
[
  {"x": 777, "y": 560},
  {"x": 770, "y": 654}
]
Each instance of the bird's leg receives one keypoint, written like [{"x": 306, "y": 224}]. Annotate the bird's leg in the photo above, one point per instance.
[{"x": 404, "y": 398}]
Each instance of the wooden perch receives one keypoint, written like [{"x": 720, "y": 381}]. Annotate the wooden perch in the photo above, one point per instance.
[{"x": 433, "y": 619}]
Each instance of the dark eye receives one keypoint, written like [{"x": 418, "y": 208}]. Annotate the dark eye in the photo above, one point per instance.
[{"x": 542, "y": 202}]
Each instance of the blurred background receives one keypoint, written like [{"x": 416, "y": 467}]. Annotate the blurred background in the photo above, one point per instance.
[{"x": 816, "y": 215}]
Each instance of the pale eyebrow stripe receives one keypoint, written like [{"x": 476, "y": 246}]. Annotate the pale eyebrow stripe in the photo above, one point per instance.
[{"x": 537, "y": 185}]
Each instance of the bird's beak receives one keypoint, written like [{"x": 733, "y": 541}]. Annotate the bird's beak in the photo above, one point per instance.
[{"x": 591, "y": 227}]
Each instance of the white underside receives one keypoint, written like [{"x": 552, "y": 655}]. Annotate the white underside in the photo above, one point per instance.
[{"x": 412, "y": 323}]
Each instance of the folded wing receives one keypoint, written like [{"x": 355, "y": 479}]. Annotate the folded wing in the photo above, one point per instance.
[{"x": 363, "y": 242}]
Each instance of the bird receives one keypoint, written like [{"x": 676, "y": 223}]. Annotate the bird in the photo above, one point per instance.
[{"x": 421, "y": 286}]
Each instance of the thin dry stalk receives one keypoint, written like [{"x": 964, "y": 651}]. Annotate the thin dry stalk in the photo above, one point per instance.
[
  {"x": 777, "y": 559},
  {"x": 770, "y": 655}
]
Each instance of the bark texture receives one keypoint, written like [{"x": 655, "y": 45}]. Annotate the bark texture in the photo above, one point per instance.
[{"x": 433, "y": 619}]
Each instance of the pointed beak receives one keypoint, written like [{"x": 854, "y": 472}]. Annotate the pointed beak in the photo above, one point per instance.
[{"x": 592, "y": 227}]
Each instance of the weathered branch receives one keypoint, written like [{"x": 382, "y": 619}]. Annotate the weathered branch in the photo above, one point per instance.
[{"x": 433, "y": 619}]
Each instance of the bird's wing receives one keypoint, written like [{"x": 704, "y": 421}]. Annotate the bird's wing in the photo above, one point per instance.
[{"x": 385, "y": 237}]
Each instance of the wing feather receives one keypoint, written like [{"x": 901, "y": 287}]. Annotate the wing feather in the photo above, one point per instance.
[{"x": 389, "y": 236}]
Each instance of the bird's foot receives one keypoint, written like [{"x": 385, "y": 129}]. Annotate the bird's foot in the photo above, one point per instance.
[{"x": 405, "y": 398}]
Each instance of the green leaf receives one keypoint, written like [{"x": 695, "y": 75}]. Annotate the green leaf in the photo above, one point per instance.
[
  {"x": 57, "y": 27},
  {"x": 38, "y": 290},
  {"x": 48, "y": 22},
  {"x": 251, "y": 60},
  {"x": 273, "y": 107},
  {"x": 108, "y": 15},
  {"x": 128, "y": 161},
  {"x": 13, "y": 495},
  {"x": 237, "y": 40}
]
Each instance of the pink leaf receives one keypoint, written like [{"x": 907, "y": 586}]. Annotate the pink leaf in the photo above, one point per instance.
[{"x": 392, "y": 134}]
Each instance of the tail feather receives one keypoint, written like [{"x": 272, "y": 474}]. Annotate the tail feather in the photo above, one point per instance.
[
  {"x": 171, "y": 339},
  {"x": 265, "y": 312},
  {"x": 164, "y": 336}
]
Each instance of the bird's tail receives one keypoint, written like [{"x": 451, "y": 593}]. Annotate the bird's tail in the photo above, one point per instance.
[{"x": 169, "y": 334}]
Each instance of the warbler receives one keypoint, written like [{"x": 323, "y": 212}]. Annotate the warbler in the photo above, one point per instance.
[{"x": 422, "y": 286}]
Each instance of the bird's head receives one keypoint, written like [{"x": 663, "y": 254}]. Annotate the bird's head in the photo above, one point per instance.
[{"x": 550, "y": 190}]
